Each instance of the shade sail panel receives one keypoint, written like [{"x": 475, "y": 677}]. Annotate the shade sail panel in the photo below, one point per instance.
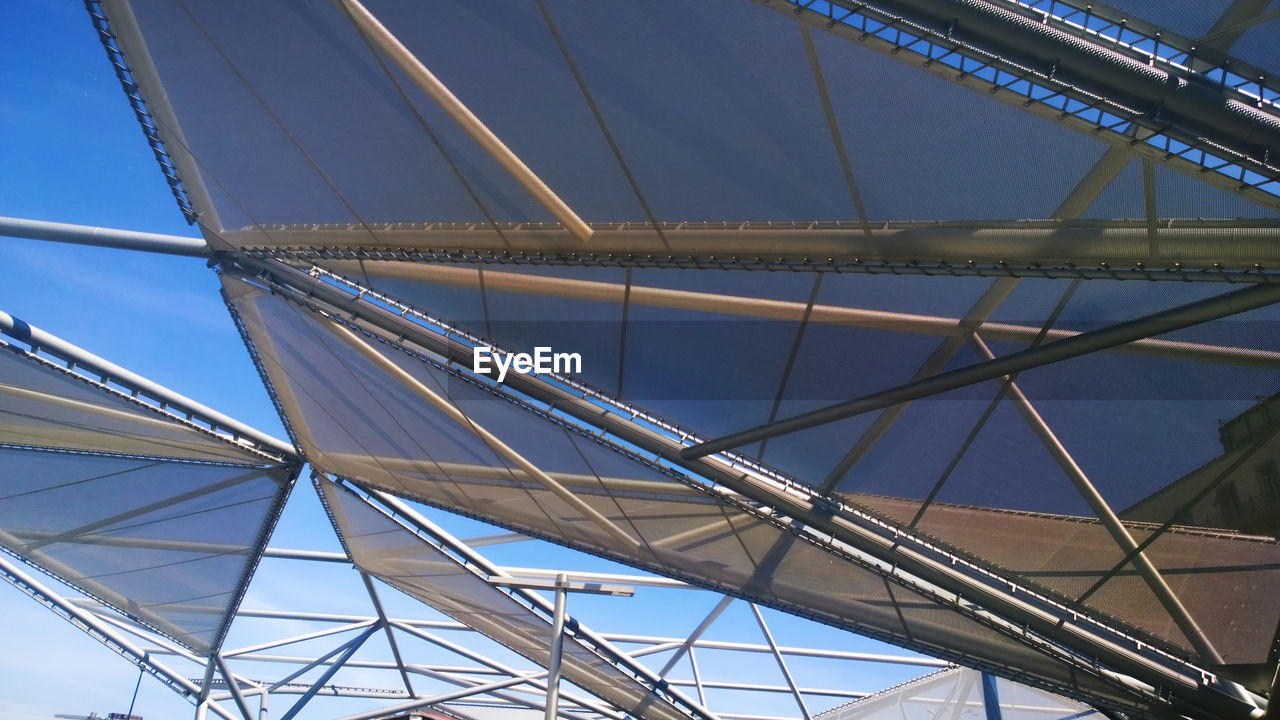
[
  {"x": 356, "y": 420},
  {"x": 391, "y": 552},
  {"x": 167, "y": 542},
  {"x": 297, "y": 153},
  {"x": 631, "y": 112},
  {"x": 960, "y": 693},
  {"x": 1257, "y": 45},
  {"x": 980, "y": 159},
  {"x": 44, "y": 405},
  {"x": 1225, "y": 581}
]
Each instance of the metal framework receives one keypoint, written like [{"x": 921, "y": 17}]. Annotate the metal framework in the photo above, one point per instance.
[
  {"x": 1053, "y": 626},
  {"x": 1090, "y": 72},
  {"x": 1182, "y": 250},
  {"x": 1180, "y": 102},
  {"x": 252, "y": 678}
]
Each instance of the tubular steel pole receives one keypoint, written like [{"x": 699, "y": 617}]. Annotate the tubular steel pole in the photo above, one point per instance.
[
  {"x": 1118, "y": 334},
  {"x": 1119, "y": 533},
  {"x": 377, "y": 33},
  {"x": 557, "y": 647},
  {"x": 27, "y": 333},
  {"x": 768, "y": 309},
  {"x": 103, "y": 237}
]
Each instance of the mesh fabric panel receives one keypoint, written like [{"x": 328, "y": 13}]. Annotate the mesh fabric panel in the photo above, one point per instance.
[
  {"x": 44, "y": 406},
  {"x": 164, "y": 541},
  {"x": 712, "y": 105},
  {"x": 1069, "y": 554},
  {"x": 390, "y": 552},
  {"x": 1257, "y": 46},
  {"x": 958, "y": 694},
  {"x": 391, "y": 439}
]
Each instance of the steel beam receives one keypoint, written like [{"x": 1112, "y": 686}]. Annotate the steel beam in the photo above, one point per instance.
[
  {"x": 298, "y": 638},
  {"x": 702, "y": 627},
  {"x": 996, "y": 49},
  {"x": 349, "y": 650},
  {"x": 1216, "y": 250},
  {"x": 782, "y": 664},
  {"x": 1162, "y": 322},
  {"x": 109, "y": 371},
  {"x": 1185, "y": 100},
  {"x": 445, "y": 697},
  {"x": 386, "y": 626},
  {"x": 233, "y": 686},
  {"x": 1119, "y": 533},
  {"x": 103, "y": 237},
  {"x": 978, "y": 314},
  {"x": 517, "y": 697},
  {"x": 486, "y": 472},
  {"x": 588, "y": 637},
  {"x": 769, "y": 309},
  {"x": 498, "y": 667},
  {"x": 377, "y": 34}
]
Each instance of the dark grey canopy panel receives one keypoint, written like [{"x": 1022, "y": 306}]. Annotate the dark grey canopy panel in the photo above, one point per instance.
[
  {"x": 155, "y": 517},
  {"x": 382, "y": 547},
  {"x": 681, "y": 111},
  {"x": 355, "y": 419}
]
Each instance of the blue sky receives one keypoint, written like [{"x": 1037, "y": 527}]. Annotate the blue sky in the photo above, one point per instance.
[{"x": 72, "y": 151}]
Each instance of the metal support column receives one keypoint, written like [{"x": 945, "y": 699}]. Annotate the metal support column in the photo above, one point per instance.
[
  {"x": 782, "y": 664},
  {"x": 990, "y": 698},
  {"x": 557, "y": 647}
]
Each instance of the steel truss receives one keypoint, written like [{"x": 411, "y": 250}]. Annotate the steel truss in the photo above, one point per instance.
[
  {"x": 1175, "y": 250},
  {"x": 1089, "y": 72},
  {"x": 1159, "y": 97},
  {"x": 1182, "y": 250},
  {"x": 1032, "y": 616},
  {"x": 53, "y": 353},
  {"x": 236, "y": 692}
]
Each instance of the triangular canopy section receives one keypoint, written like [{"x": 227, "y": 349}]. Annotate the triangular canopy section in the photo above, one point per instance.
[
  {"x": 48, "y": 406},
  {"x": 386, "y": 549},
  {"x": 356, "y": 416},
  {"x": 151, "y": 514}
]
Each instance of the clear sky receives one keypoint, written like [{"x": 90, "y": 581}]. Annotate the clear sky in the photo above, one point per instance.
[{"x": 71, "y": 151}]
